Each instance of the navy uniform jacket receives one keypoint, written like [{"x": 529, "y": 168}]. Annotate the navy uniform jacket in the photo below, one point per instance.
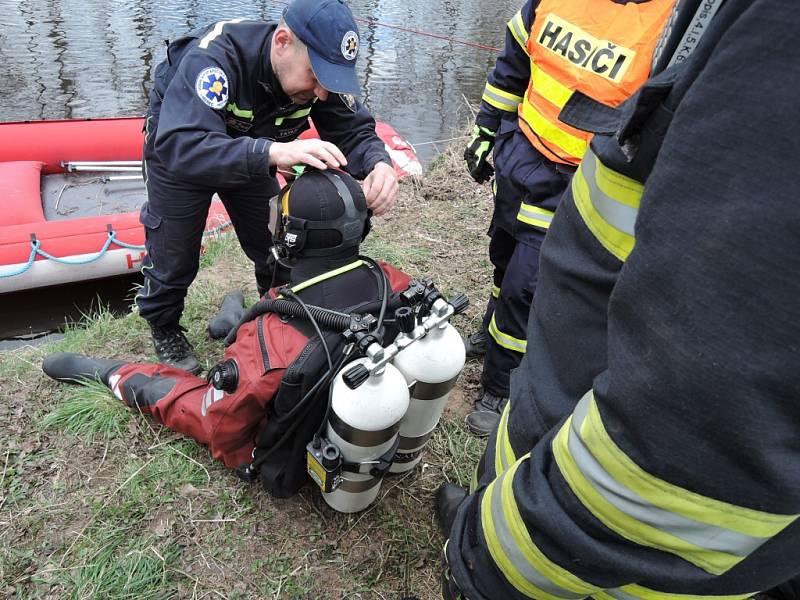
[
  {"x": 217, "y": 106},
  {"x": 512, "y": 70}
]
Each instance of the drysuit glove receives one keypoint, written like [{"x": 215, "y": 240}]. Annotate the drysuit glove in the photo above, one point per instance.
[{"x": 477, "y": 151}]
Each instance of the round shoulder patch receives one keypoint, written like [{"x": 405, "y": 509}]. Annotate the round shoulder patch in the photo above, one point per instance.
[
  {"x": 212, "y": 87},
  {"x": 350, "y": 45}
]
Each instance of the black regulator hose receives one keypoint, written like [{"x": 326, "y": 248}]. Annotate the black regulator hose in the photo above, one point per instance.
[{"x": 329, "y": 319}]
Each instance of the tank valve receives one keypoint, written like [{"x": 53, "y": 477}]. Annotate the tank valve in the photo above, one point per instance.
[
  {"x": 225, "y": 376},
  {"x": 459, "y": 302},
  {"x": 355, "y": 376},
  {"x": 405, "y": 319}
]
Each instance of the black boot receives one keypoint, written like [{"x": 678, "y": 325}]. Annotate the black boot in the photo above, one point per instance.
[
  {"x": 74, "y": 368},
  {"x": 485, "y": 414},
  {"x": 475, "y": 344},
  {"x": 448, "y": 498},
  {"x": 173, "y": 349},
  {"x": 228, "y": 316}
]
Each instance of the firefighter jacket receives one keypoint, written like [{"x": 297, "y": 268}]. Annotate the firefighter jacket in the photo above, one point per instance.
[
  {"x": 265, "y": 350},
  {"x": 216, "y": 106},
  {"x": 560, "y": 53},
  {"x": 650, "y": 449}
]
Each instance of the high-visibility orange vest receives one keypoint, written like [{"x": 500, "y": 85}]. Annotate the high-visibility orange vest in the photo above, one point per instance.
[{"x": 601, "y": 48}]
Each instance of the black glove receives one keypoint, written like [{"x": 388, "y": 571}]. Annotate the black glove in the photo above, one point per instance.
[{"x": 480, "y": 145}]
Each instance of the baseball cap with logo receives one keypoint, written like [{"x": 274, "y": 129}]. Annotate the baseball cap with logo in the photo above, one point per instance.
[{"x": 328, "y": 29}]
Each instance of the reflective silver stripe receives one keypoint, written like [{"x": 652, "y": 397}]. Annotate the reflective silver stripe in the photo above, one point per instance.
[
  {"x": 620, "y": 595},
  {"x": 214, "y": 33},
  {"x": 431, "y": 391},
  {"x": 528, "y": 213},
  {"x": 706, "y": 536},
  {"x": 512, "y": 551},
  {"x": 499, "y": 101},
  {"x": 361, "y": 437},
  {"x": 517, "y": 27},
  {"x": 619, "y": 215}
]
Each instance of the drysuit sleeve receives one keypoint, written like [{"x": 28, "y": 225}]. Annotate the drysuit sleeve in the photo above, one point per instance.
[
  {"x": 507, "y": 81},
  {"x": 398, "y": 280},
  {"x": 676, "y": 476},
  {"x": 347, "y": 123},
  {"x": 191, "y": 139}
]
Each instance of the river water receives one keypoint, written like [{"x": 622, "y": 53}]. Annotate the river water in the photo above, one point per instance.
[{"x": 92, "y": 58}]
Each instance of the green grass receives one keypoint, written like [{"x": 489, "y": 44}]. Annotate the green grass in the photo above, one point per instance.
[
  {"x": 405, "y": 257},
  {"x": 120, "y": 563},
  {"x": 89, "y": 410},
  {"x": 224, "y": 246}
]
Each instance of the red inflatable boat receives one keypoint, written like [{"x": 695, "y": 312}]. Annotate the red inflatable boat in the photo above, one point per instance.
[{"x": 72, "y": 193}]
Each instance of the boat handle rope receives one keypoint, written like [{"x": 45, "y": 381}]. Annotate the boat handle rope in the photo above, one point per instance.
[{"x": 36, "y": 248}]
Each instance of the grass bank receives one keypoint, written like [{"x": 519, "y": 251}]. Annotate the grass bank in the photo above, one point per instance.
[{"x": 98, "y": 502}]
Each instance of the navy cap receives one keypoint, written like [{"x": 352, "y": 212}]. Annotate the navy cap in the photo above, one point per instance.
[{"x": 328, "y": 29}]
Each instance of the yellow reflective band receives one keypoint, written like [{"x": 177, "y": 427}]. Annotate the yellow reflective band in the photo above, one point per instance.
[
  {"x": 500, "y": 98},
  {"x": 303, "y": 112},
  {"x": 608, "y": 203},
  {"x": 548, "y": 88},
  {"x": 515, "y": 553},
  {"x": 506, "y": 341},
  {"x": 637, "y": 592},
  {"x": 240, "y": 112},
  {"x": 533, "y": 215},
  {"x": 495, "y": 291},
  {"x": 319, "y": 278},
  {"x": 503, "y": 452},
  {"x": 517, "y": 28},
  {"x": 706, "y": 539},
  {"x": 553, "y": 134},
  {"x": 754, "y": 523},
  {"x": 214, "y": 33}
]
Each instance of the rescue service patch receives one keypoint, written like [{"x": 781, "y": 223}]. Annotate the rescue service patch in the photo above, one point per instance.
[
  {"x": 349, "y": 101},
  {"x": 212, "y": 87},
  {"x": 583, "y": 50},
  {"x": 350, "y": 45}
]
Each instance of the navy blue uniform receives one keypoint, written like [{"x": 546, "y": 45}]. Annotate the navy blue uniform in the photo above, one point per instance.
[
  {"x": 215, "y": 108},
  {"x": 526, "y": 192}
]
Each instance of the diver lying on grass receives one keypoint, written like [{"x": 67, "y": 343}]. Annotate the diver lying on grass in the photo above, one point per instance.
[{"x": 256, "y": 396}]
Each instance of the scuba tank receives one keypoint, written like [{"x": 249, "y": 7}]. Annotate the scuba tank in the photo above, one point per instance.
[
  {"x": 361, "y": 434},
  {"x": 430, "y": 367}
]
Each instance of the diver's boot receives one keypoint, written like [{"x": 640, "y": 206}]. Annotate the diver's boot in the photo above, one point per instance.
[
  {"x": 228, "y": 316},
  {"x": 69, "y": 367},
  {"x": 448, "y": 498},
  {"x": 173, "y": 349}
]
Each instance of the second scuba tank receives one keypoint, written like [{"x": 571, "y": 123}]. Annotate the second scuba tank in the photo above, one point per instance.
[
  {"x": 430, "y": 367},
  {"x": 363, "y": 425}
]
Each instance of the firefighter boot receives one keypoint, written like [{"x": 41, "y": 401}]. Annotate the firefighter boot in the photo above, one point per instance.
[
  {"x": 68, "y": 367},
  {"x": 486, "y": 414},
  {"x": 475, "y": 344},
  {"x": 173, "y": 349}
]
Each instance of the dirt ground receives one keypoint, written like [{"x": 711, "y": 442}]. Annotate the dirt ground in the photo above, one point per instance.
[{"x": 96, "y": 502}]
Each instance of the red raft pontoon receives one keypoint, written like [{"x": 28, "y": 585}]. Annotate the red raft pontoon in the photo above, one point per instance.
[{"x": 64, "y": 222}]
